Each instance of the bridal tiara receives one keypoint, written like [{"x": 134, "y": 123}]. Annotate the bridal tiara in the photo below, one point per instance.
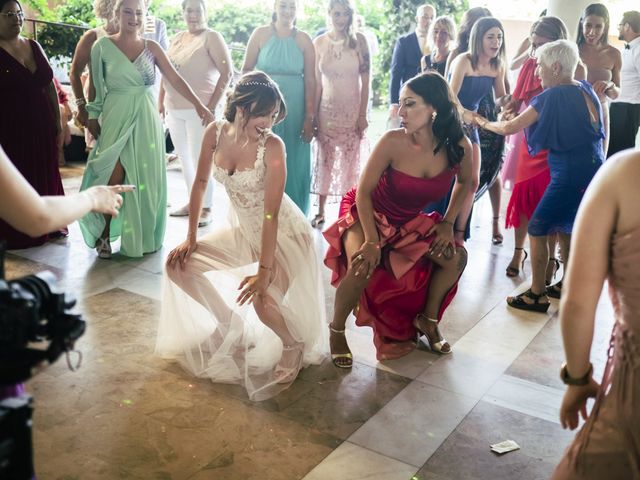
[{"x": 263, "y": 84}]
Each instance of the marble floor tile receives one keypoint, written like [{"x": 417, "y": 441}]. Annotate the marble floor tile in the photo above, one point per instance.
[
  {"x": 526, "y": 397},
  {"x": 351, "y": 462},
  {"x": 413, "y": 425},
  {"x": 465, "y": 454}
]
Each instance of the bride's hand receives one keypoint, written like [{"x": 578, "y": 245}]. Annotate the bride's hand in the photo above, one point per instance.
[
  {"x": 252, "y": 286},
  {"x": 181, "y": 253}
]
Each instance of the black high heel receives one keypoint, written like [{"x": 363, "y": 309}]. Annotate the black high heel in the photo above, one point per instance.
[
  {"x": 555, "y": 291},
  {"x": 513, "y": 271},
  {"x": 497, "y": 238},
  {"x": 556, "y": 266}
]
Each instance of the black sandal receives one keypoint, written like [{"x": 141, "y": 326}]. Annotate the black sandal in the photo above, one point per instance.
[
  {"x": 513, "y": 271},
  {"x": 537, "y": 306},
  {"x": 554, "y": 291}
]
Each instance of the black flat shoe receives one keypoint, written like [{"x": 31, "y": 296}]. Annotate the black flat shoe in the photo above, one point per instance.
[{"x": 537, "y": 306}]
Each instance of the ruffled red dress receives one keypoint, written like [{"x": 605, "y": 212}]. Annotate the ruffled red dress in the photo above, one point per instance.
[
  {"x": 532, "y": 172},
  {"x": 398, "y": 288}
]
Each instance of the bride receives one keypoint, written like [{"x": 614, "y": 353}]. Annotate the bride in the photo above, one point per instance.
[{"x": 265, "y": 260}]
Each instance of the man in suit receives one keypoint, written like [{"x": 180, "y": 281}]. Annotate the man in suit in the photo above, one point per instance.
[
  {"x": 407, "y": 53},
  {"x": 625, "y": 110}
]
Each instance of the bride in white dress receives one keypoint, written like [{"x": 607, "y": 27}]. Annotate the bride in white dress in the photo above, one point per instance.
[{"x": 266, "y": 260}]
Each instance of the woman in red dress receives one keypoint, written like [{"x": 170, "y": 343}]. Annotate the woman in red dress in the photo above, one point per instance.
[
  {"x": 30, "y": 120},
  {"x": 398, "y": 265}
]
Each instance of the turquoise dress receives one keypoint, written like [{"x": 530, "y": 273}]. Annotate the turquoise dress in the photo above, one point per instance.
[
  {"x": 283, "y": 61},
  {"x": 131, "y": 131}
]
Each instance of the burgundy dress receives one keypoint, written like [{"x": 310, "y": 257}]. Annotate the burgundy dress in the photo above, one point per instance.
[
  {"x": 28, "y": 132},
  {"x": 399, "y": 286}
]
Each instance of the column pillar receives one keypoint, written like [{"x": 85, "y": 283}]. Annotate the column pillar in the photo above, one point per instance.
[{"x": 569, "y": 12}]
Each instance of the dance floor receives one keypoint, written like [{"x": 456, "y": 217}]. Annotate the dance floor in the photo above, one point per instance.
[{"x": 126, "y": 414}]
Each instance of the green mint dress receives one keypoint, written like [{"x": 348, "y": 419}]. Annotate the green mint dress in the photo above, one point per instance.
[
  {"x": 283, "y": 61},
  {"x": 131, "y": 131}
]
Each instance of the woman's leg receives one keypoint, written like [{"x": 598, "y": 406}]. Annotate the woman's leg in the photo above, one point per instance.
[
  {"x": 520, "y": 234},
  {"x": 116, "y": 178},
  {"x": 347, "y": 295},
  {"x": 465, "y": 211},
  {"x": 553, "y": 263},
  {"x": 318, "y": 221},
  {"x": 495, "y": 194},
  {"x": 445, "y": 274}
]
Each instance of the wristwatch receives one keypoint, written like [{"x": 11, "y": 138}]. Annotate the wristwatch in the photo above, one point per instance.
[{"x": 569, "y": 380}]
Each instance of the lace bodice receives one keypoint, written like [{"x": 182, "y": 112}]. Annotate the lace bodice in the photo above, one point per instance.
[{"x": 245, "y": 189}]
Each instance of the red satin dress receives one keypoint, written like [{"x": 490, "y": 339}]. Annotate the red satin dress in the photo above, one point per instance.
[
  {"x": 532, "y": 172},
  {"x": 398, "y": 288}
]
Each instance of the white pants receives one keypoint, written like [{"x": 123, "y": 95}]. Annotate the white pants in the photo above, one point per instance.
[{"x": 186, "y": 134}]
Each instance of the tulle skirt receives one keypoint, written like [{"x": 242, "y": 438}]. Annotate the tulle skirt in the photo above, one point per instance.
[{"x": 203, "y": 328}]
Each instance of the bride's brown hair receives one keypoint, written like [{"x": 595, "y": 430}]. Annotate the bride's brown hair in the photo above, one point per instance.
[{"x": 257, "y": 95}]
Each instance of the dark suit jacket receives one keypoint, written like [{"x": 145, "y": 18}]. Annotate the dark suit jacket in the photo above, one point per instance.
[{"x": 405, "y": 63}]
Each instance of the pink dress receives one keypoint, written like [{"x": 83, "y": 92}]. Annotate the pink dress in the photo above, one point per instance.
[
  {"x": 338, "y": 148},
  {"x": 608, "y": 446}
]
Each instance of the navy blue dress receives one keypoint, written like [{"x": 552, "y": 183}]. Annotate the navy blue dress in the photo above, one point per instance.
[
  {"x": 472, "y": 91},
  {"x": 575, "y": 153}
]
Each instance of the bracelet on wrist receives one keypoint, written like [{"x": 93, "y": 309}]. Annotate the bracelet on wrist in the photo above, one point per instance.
[
  {"x": 264, "y": 267},
  {"x": 375, "y": 244},
  {"x": 446, "y": 221},
  {"x": 579, "y": 381},
  {"x": 81, "y": 101},
  {"x": 458, "y": 230}
]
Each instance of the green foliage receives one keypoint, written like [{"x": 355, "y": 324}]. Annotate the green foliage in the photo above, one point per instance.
[{"x": 59, "y": 41}]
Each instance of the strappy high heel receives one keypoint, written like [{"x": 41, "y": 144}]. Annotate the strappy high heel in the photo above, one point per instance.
[
  {"x": 440, "y": 346},
  {"x": 336, "y": 357},
  {"x": 556, "y": 266},
  {"x": 555, "y": 291},
  {"x": 536, "y": 306},
  {"x": 496, "y": 238},
  {"x": 287, "y": 370},
  {"x": 103, "y": 247},
  {"x": 317, "y": 221},
  {"x": 513, "y": 271}
]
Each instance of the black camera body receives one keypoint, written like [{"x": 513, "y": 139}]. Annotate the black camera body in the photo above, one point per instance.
[{"x": 31, "y": 314}]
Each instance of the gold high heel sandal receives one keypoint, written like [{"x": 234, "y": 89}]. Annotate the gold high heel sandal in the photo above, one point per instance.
[
  {"x": 436, "y": 347},
  {"x": 335, "y": 357}
]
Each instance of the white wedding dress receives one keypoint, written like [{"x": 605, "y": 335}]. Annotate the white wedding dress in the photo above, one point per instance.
[{"x": 202, "y": 326}]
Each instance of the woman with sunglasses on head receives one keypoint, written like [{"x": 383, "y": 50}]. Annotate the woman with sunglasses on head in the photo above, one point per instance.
[{"x": 30, "y": 119}]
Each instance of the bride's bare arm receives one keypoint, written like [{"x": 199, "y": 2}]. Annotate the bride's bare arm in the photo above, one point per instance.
[{"x": 275, "y": 177}]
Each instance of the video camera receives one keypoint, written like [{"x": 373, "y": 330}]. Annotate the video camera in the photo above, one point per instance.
[{"x": 31, "y": 314}]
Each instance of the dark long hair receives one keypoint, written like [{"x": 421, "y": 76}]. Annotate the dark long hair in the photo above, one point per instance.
[
  {"x": 4, "y": 2},
  {"x": 598, "y": 10},
  {"x": 549, "y": 27},
  {"x": 469, "y": 19},
  {"x": 478, "y": 32},
  {"x": 447, "y": 127}
]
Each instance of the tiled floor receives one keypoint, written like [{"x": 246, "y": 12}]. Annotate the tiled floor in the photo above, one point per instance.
[{"x": 127, "y": 414}]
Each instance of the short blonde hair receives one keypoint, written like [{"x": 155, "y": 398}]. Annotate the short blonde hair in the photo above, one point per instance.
[
  {"x": 446, "y": 23},
  {"x": 563, "y": 52}
]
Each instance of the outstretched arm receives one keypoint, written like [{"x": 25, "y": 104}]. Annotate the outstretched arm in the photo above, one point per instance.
[
  {"x": 34, "y": 215},
  {"x": 509, "y": 127}
]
